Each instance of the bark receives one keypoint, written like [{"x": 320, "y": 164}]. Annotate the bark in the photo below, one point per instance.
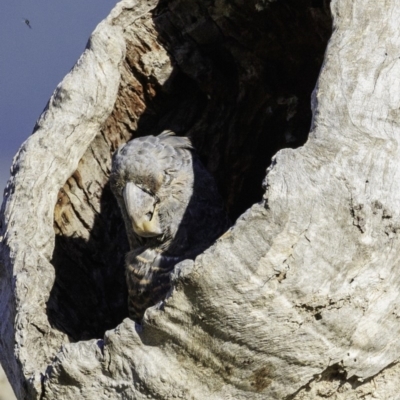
[{"x": 299, "y": 299}]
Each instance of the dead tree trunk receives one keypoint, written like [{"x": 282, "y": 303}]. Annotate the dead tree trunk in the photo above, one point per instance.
[{"x": 300, "y": 299}]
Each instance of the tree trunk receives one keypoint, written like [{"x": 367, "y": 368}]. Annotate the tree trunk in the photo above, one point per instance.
[
  {"x": 6, "y": 392},
  {"x": 300, "y": 298}
]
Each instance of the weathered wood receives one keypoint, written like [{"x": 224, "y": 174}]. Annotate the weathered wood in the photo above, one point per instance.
[
  {"x": 299, "y": 300},
  {"x": 6, "y": 392}
]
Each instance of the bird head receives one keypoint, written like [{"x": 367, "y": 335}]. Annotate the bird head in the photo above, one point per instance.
[{"x": 152, "y": 179}]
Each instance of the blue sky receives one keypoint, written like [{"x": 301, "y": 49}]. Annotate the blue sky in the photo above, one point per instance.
[{"x": 33, "y": 61}]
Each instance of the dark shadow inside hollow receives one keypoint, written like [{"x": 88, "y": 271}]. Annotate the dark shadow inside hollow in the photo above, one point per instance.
[
  {"x": 240, "y": 88},
  {"x": 257, "y": 65},
  {"x": 89, "y": 294}
]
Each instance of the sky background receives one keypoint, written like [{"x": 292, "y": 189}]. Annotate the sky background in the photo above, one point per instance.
[{"x": 33, "y": 61}]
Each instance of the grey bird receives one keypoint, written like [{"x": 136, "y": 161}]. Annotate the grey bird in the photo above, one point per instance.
[
  {"x": 27, "y": 22},
  {"x": 171, "y": 208}
]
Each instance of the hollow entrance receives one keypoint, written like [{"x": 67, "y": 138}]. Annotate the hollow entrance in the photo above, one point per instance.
[{"x": 243, "y": 74}]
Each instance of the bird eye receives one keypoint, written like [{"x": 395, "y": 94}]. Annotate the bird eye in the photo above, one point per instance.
[
  {"x": 145, "y": 189},
  {"x": 149, "y": 215}
]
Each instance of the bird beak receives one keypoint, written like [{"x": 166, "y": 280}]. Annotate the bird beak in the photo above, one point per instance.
[{"x": 142, "y": 211}]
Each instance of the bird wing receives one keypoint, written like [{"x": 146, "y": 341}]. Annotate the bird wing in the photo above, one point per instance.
[{"x": 148, "y": 279}]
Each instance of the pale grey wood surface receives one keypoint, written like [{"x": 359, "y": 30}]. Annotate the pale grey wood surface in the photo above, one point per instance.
[{"x": 299, "y": 300}]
